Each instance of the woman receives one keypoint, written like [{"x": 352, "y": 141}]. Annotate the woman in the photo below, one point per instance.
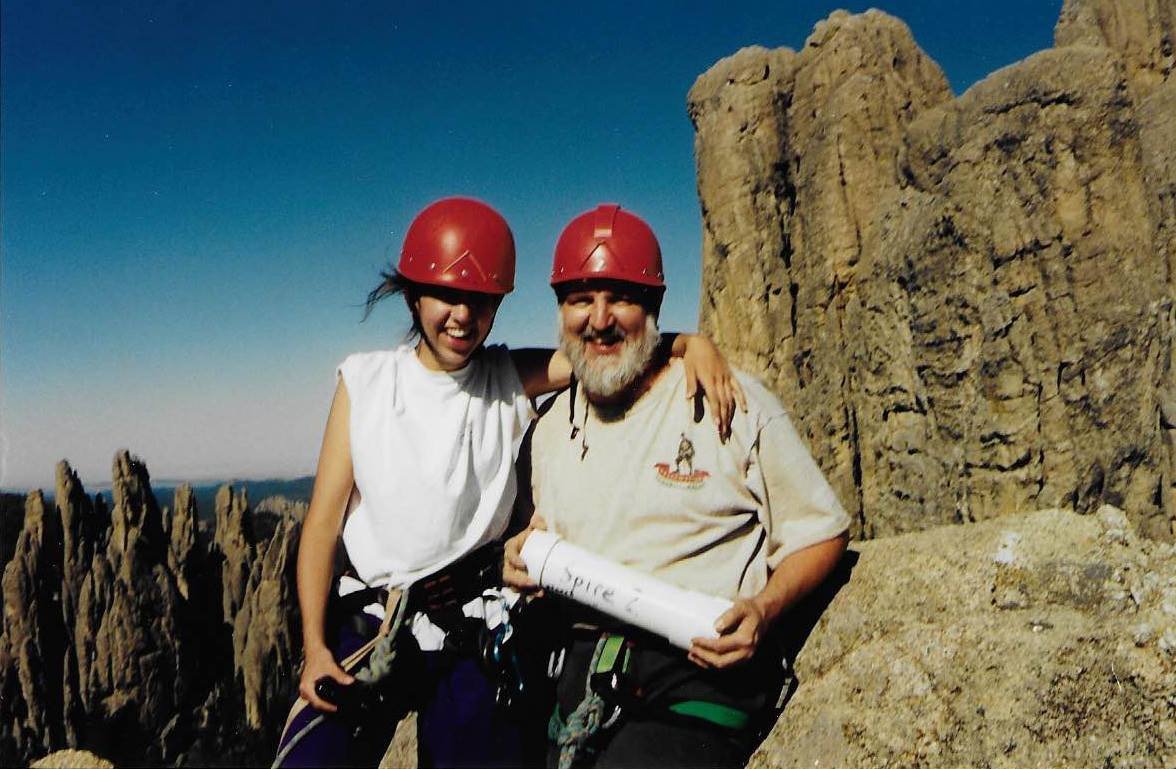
[{"x": 425, "y": 437}]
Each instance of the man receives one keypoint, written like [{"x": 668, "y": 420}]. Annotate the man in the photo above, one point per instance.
[{"x": 622, "y": 466}]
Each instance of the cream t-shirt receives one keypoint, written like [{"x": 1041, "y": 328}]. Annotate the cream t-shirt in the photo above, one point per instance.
[
  {"x": 433, "y": 455},
  {"x": 657, "y": 491}
]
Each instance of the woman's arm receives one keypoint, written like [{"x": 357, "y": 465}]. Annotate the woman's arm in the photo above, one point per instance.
[
  {"x": 705, "y": 364},
  {"x": 316, "y": 550},
  {"x": 542, "y": 371}
]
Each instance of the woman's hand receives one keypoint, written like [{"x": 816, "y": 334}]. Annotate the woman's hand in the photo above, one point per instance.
[
  {"x": 320, "y": 664},
  {"x": 514, "y": 569},
  {"x": 740, "y": 629},
  {"x": 706, "y": 366}
]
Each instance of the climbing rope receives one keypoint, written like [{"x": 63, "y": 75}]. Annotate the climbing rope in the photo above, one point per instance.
[
  {"x": 589, "y": 717},
  {"x": 380, "y": 660}
]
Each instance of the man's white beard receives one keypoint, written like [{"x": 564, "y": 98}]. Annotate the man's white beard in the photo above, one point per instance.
[{"x": 607, "y": 375}]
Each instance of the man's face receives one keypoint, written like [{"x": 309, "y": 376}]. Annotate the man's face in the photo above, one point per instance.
[{"x": 609, "y": 336}]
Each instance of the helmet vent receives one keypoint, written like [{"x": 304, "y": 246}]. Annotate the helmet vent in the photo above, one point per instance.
[{"x": 602, "y": 221}]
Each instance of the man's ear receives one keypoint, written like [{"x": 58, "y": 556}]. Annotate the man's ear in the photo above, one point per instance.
[{"x": 653, "y": 302}]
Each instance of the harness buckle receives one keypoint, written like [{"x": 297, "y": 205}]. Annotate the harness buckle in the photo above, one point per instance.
[{"x": 613, "y": 677}]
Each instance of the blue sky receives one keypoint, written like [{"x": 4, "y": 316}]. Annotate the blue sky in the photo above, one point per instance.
[{"x": 196, "y": 196}]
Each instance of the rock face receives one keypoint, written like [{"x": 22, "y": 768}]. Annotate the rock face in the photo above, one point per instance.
[
  {"x": 1139, "y": 30},
  {"x": 234, "y": 531},
  {"x": 967, "y": 304},
  {"x": 267, "y": 645},
  {"x": 32, "y": 641},
  {"x": 125, "y": 634},
  {"x": 11, "y": 520},
  {"x": 1045, "y": 639},
  {"x": 132, "y": 672}
]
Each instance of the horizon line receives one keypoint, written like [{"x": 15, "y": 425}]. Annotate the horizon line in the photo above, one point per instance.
[{"x": 161, "y": 483}]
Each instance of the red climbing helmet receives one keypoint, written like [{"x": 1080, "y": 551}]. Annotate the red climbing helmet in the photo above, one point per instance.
[
  {"x": 608, "y": 243},
  {"x": 459, "y": 243}
]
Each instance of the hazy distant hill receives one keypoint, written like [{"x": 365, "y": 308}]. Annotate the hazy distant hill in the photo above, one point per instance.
[{"x": 293, "y": 489}]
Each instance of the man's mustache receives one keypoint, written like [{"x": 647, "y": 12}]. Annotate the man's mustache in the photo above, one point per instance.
[{"x": 610, "y": 335}]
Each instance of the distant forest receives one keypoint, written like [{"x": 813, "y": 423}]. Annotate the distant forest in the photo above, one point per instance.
[{"x": 294, "y": 489}]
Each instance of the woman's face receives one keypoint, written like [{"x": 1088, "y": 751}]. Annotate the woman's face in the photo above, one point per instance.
[{"x": 453, "y": 325}]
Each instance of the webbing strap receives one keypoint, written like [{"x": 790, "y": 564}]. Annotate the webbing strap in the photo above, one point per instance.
[
  {"x": 714, "y": 712},
  {"x": 609, "y": 653},
  {"x": 720, "y": 715}
]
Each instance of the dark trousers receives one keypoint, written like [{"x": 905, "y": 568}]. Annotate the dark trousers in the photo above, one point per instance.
[
  {"x": 647, "y": 732},
  {"x": 458, "y": 723}
]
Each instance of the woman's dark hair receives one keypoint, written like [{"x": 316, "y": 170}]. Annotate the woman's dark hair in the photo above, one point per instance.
[{"x": 392, "y": 283}]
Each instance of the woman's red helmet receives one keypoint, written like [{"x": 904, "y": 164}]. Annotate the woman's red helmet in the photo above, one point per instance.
[{"x": 459, "y": 243}]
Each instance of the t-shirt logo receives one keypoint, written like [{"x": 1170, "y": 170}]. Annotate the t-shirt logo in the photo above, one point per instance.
[{"x": 683, "y": 475}]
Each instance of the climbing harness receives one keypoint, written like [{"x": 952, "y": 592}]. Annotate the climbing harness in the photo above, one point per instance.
[
  {"x": 440, "y": 597},
  {"x": 594, "y": 714},
  {"x": 380, "y": 652},
  {"x": 614, "y": 686}
]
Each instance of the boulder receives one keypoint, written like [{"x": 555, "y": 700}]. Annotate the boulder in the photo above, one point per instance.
[{"x": 1040, "y": 639}]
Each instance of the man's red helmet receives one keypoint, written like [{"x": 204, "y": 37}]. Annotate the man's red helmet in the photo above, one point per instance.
[
  {"x": 608, "y": 243},
  {"x": 459, "y": 243}
]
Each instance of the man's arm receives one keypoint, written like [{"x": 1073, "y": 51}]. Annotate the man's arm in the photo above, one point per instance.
[
  {"x": 743, "y": 626},
  {"x": 806, "y": 531}
]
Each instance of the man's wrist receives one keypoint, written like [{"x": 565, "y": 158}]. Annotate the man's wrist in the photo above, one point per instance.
[{"x": 769, "y": 609}]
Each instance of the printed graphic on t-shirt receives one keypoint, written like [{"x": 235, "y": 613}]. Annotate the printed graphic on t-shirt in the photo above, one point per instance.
[{"x": 683, "y": 475}]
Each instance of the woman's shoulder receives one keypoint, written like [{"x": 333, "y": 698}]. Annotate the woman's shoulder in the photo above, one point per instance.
[
  {"x": 495, "y": 355},
  {"x": 497, "y": 361},
  {"x": 359, "y": 368}
]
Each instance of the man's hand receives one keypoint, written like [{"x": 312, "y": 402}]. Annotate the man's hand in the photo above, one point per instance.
[
  {"x": 320, "y": 664},
  {"x": 514, "y": 570},
  {"x": 740, "y": 629}
]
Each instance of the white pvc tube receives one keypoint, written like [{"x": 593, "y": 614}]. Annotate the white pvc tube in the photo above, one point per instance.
[{"x": 631, "y": 596}]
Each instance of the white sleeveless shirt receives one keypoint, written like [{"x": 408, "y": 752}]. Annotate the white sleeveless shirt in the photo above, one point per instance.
[{"x": 433, "y": 455}]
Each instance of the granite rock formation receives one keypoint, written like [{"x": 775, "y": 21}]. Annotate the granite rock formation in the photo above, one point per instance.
[
  {"x": 966, "y": 303},
  {"x": 71, "y": 759},
  {"x": 234, "y": 532},
  {"x": 1045, "y": 639},
  {"x": 267, "y": 644},
  {"x": 11, "y": 520},
  {"x": 32, "y": 640},
  {"x": 1139, "y": 31},
  {"x": 125, "y": 634}
]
